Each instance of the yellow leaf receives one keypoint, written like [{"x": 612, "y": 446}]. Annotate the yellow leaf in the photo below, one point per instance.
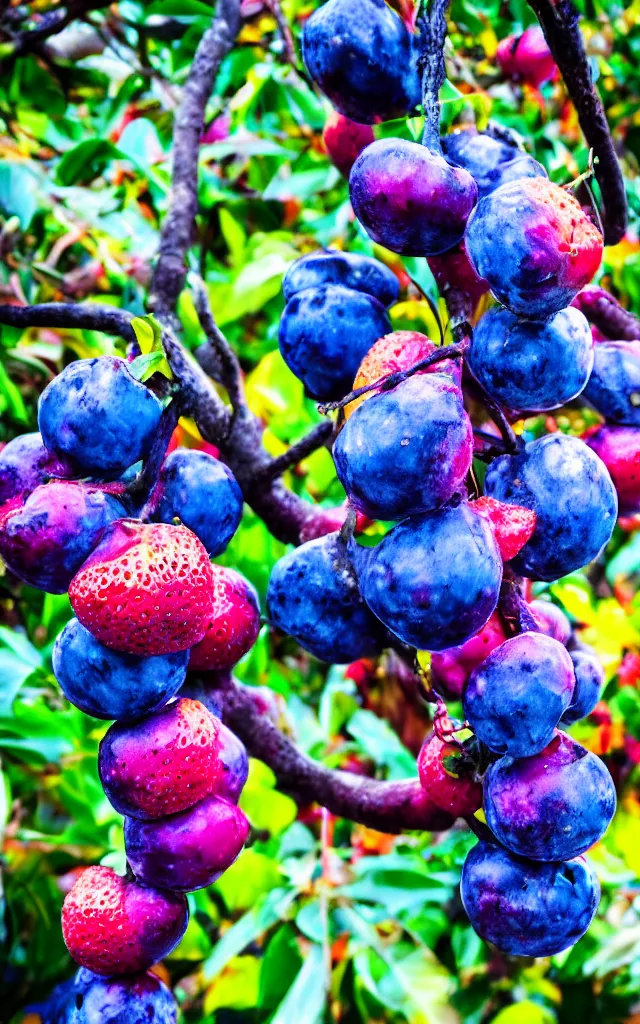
[
  {"x": 236, "y": 987},
  {"x": 145, "y": 334}
]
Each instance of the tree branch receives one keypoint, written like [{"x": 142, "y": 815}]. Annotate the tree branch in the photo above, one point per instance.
[
  {"x": 230, "y": 370},
  {"x": 49, "y": 24},
  {"x": 603, "y": 310},
  {"x": 433, "y": 33},
  {"x": 316, "y": 438}
]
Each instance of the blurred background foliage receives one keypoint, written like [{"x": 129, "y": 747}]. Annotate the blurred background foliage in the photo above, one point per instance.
[{"x": 85, "y": 149}]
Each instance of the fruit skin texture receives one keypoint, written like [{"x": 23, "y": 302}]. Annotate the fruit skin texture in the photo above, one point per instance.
[
  {"x": 614, "y": 384},
  {"x": 232, "y": 625},
  {"x": 46, "y": 540},
  {"x": 570, "y": 491},
  {"x": 524, "y": 908},
  {"x": 552, "y": 806},
  {"x": 349, "y": 269},
  {"x": 407, "y": 450},
  {"x": 203, "y": 493},
  {"x": 532, "y": 365},
  {"x": 451, "y": 668},
  {"x": 452, "y": 269},
  {"x": 515, "y": 699},
  {"x": 399, "y": 350},
  {"x": 234, "y": 761},
  {"x": 109, "y": 684},
  {"x": 88, "y": 998},
  {"x": 163, "y": 763},
  {"x": 490, "y": 162},
  {"x": 344, "y": 140},
  {"x": 527, "y": 57},
  {"x": 459, "y": 795},
  {"x": 619, "y": 449},
  {"x": 551, "y": 620},
  {"x": 362, "y": 57},
  {"x": 313, "y": 596},
  {"x": 97, "y": 414},
  {"x": 189, "y": 850},
  {"x": 589, "y": 683},
  {"x": 115, "y": 926},
  {"x": 25, "y": 463},
  {"x": 146, "y": 589},
  {"x": 534, "y": 245},
  {"x": 512, "y": 525},
  {"x": 325, "y": 332},
  {"x": 434, "y": 579},
  {"x": 409, "y": 199}
]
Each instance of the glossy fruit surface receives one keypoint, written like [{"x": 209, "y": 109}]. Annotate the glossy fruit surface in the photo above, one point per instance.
[
  {"x": 25, "y": 463},
  {"x": 232, "y": 754},
  {"x": 512, "y": 525},
  {"x": 614, "y": 385},
  {"x": 233, "y": 623},
  {"x": 491, "y": 162},
  {"x": 203, "y": 494},
  {"x": 619, "y": 449},
  {"x": 88, "y": 998},
  {"x": 527, "y": 57},
  {"x": 344, "y": 140},
  {"x": 399, "y": 350},
  {"x": 590, "y": 680},
  {"x": 451, "y": 668},
  {"x": 551, "y": 620},
  {"x": 447, "y": 787},
  {"x": 349, "y": 269}
]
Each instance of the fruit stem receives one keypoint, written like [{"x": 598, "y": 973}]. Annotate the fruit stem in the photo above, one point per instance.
[
  {"x": 433, "y": 33},
  {"x": 512, "y": 606}
]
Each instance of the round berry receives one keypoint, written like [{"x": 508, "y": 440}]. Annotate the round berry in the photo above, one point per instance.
[
  {"x": 447, "y": 782},
  {"x": 232, "y": 625}
]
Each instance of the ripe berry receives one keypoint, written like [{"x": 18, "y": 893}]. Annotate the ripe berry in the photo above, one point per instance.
[
  {"x": 451, "y": 668},
  {"x": 146, "y": 589},
  {"x": 399, "y": 350},
  {"x": 491, "y": 162},
  {"x": 235, "y": 765},
  {"x": 512, "y": 525},
  {"x": 619, "y": 449},
  {"x": 614, "y": 385},
  {"x": 232, "y": 625},
  {"x": 349, "y": 269},
  {"x": 449, "y": 787},
  {"x": 88, "y": 998},
  {"x": 25, "y": 463},
  {"x": 588, "y": 686},
  {"x": 453, "y": 272},
  {"x": 114, "y": 925},
  {"x": 551, "y": 620},
  {"x": 344, "y": 140},
  {"x": 527, "y": 57}
]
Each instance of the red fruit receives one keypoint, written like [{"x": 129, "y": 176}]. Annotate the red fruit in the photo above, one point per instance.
[
  {"x": 527, "y": 57},
  {"x": 512, "y": 525},
  {"x": 344, "y": 141},
  {"x": 452, "y": 270},
  {"x": 232, "y": 625},
  {"x": 459, "y": 795},
  {"x": 619, "y": 449},
  {"x": 450, "y": 669},
  {"x": 113, "y": 925},
  {"x": 146, "y": 589},
  {"x": 397, "y": 351}
]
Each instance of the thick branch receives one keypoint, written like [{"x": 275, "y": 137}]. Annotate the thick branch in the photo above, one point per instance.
[
  {"x": 601, "y": 309},
  {"x": 433, "y": 33}
]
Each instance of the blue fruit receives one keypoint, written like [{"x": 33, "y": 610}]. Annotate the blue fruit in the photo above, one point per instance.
[
  {"x": 313, "y": 596},
  {"x": 88, "y": 998},
  {"x": 25, "y": 463},
  {"x": 350, "y": 269},
  {"x": 532, "y": 365},
  {"x": 589, "y": 683},
  {"x": 407, "y": 450},
  {"x": 434, "y": 579},
  {"x": 524, "y": 908},
  {"x": 552, "y": 806},
  {"x": 515, "y": 698},
  {"x": 108, "y": 684},
  {"x": 98, "y": 415},
  {"x": 614, "y": 384},
  {"x": 490, "y": 162},
  {"x": 363, "y": 58},
  {"x": 570, "y": 490},
  {"x": 203, "y": 493},
  {"x": 325, "y": 333}
]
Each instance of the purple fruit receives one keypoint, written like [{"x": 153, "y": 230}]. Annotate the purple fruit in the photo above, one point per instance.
[
  {"x": 614, "y": 384},
  {"x": 88, "y": 998},
  {"x": 551, "y": 620},
  {"x": 349, "y": 269},
  {"x": 589, "y": 683},
  {"x": 232, "y": 754},
  {"x": 25, "y": 463},
  {"x": 491, "y": 162},
  {"x": 203, "y": 494}
]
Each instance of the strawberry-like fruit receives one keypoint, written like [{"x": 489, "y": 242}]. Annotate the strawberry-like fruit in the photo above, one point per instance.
[
  {"x": 512, "y": 525},
  {"x": 397, "y": 351},
  {"x": 456, "y": 793},
  {"x": 113, "y": 925},
  {"x": 232, "y": 625},
  {"x": 344, "y": 140},
  {"x": 146, "y": 588}
]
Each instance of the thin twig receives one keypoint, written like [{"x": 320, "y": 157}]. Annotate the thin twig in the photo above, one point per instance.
[
  {"x": 230, "y": 370},
  {"x": 603, "y": 310},
  {"x": 316, "y": 438}
]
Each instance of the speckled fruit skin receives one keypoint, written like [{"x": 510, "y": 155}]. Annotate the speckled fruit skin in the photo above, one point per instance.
[
  {"x": 344, "y": 141},
  {"x": 458, "y": 795},
  {"x": 203, "y": 493},
  {"x": 399, "y": 350},
  {"x": 313, "y": 596},
  {"x": 588, "y": 686},
  {"x": 434, "y": 579},
  {"x": 512, "y": 525},
  {"x": 532, "y": 365},
  {"x": 162, "y": 764},
  {"x": 89, "y": 999},
  {"x": 515, "y": 699},
  {"x": 570, "y": 490},
  {"x": 409, "y": 199},
  {"x": 407, "y": 450},
  {"x": 534, "y": 245},
  {"x": 146, "y": 589},
  {"x": 97, "y": 414},
  {"x": 232, "y": 625},
  {"x": 112, "y": 925},
  {"x": 527, "y": 57},
  {"x": 619, "y": 449},
  {"x": 325, "y": 332},
  {"x": 45, "y": 541},
  {"x": 525, "y": 908},
  {"x": 490, "y": 162},
  {"x": 189, "y": 850},
  {"x": 363, "y": 58},
  {"x": 349, "y": 269},
  {"x": 25, "y": 463},
  {"x": 552, "y": 806},
  {"x": 614, "y": 384},
  {"x": 109, "y": 684},
  {"x": 451, "y": 668}
]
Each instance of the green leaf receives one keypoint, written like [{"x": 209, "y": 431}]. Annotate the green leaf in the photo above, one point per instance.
[
  {"x": 526, "y": 1012},
  {"x": 18, "y": 192},
  {"x": 264, "y": 806},
  {"x": 153, "y": 360},
  {"x": 309, "y": 990},
  {"x": 251, "y": 926},
  {"x": 379, "y": 741},
  {"x": 86, "y": 161}
]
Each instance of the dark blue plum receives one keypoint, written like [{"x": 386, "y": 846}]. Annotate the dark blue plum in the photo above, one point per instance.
[
  {"x": 570, "y": 490},
  {"x": 515, "y": 698},
  {"x": 407, "y": 450},
  {"x": 313, "y": 596},
  {"x": 434, "y": 579},
  {"x": 490, "y": 162},
  {"x": 532, "y": 365},
  {"x": 98, "y": 415},
  {"x": 25, "y": 463},
  {"x": 614, "y": 384},
  {"x": 350, "y": 269},
  {"x": 409, "y": 199},
  {"x": 88, "y": 998},
  {"x": 552, "y": 806},
  {"x": 589, "y": 683},
  {"x": 109, "y": 684},
  {"x": 363, "y": 58},
  {"x": 326, "y": 332},
  {"x": 525, "y": 908},
  {"x": 203, "y": 494},
  {"x": 45, "y": 541}
]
